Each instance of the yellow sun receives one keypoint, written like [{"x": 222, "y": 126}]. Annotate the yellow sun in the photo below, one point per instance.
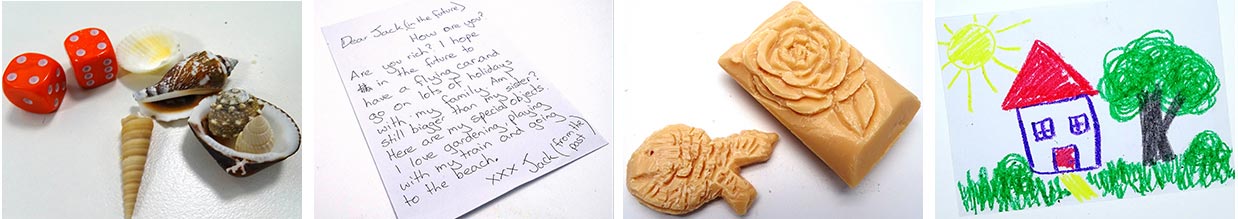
[{"x": 971, "y": 48}]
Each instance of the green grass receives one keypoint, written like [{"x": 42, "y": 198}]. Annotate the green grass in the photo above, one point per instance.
[
  {"x": 1205, "y": 162},
  {"x": 1012, "y": 185}
]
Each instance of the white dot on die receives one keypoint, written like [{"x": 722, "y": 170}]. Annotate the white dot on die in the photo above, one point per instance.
[
  {"x": 11, "y": 76},
  {"x": 86, "y": 69},
  {"x": 58, "y": 72},
  {"x": 81, "y": 52},
  {"x": 49, "y": 89},
  {"x": 73, "y": 38},
  {"x": 89, "y": 75},
  {"x": 108, "y": 76},
  {"x": 107, "y": 61},
  {"x": 107, "y": 69},
  {"x": 90, "y": 83},
  {"x": 101, "y": 45},
  {"x": 42, "y": 62},
  {"x": 34, "y": 79},
  {"x": 21, "y": 59},
  {"x": 56, "y": 102},
  {"x": 27, "y": 101},
  {"x": 94, "y": 32}
]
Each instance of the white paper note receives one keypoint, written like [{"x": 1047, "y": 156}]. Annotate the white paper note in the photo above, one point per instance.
[{"x": 452, "y": 116}]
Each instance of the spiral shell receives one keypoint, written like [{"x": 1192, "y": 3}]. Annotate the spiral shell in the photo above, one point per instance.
[
  {"x": 185, "y": 85},
  {"x": 231, "y": 112},
  {"x": 256, "y": 138},
  {"x": 135, "y": 135}
]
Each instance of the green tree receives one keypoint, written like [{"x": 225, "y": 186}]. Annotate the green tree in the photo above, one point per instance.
[{"x": 1157, "y": 80}]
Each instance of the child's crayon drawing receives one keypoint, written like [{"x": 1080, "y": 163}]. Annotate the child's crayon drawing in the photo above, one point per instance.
[{"x": 1064, "y": 131}]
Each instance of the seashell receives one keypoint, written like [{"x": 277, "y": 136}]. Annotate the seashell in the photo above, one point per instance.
[
  {"x": 285, "y": 139},
  {"x": 256, "y": 137},
  {"x": 231, "y": 112},
  {"x": 150, "y": 50},
  {"x": 185, "y": 85},
  {"x": 135, "y": 134}
]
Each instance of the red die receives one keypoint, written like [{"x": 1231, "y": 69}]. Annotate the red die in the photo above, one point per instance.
[
  {"x": 34, "y": 82},
  {"x": 94, "y": 61}
]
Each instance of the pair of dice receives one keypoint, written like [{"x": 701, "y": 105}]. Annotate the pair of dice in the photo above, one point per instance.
[{"x": 35, "y": 82}]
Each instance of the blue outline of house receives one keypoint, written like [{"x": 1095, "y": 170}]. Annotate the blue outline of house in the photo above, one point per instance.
[{"x": 1043, "y": 95}]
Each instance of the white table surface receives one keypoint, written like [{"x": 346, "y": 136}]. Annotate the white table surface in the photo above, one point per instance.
[
  {"x": 679, "y": 42},
  {"x": 1189, "y": 204},
  {"x": 567, "y": 40},
  {"x": 67, "y": 164}
]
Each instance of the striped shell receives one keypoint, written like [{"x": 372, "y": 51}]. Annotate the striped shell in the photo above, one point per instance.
[{"x": 199, "y": 75}]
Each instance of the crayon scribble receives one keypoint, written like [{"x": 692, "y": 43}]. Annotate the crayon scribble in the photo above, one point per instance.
[
  {"x": 1012, "y": 187},
  {"x": 1156, "y": 79},
  {"x": 972, "y": 47}
]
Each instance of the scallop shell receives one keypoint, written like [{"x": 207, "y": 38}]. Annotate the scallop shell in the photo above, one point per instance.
[
  {"x": 150, "y": 50},
  {"x": 256, "y": 137},
  {"x": 200, "y": 75},
  {"x": 285, "y": 136},
  {"x": 231, "y": 112}
]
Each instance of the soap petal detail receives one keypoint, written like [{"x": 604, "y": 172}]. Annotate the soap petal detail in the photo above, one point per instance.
[{"x": 801, "y": 64}]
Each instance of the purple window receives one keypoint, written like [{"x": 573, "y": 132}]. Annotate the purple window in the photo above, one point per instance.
[
  {"x": 1043, "y": 129},
  {"x": 1079, "y": 124}
]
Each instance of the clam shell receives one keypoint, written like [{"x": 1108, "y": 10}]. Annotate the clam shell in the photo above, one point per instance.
[
  {"x": 200, "y": 75},
  {"x": 284, "y": 132},
  {"x": 150, "y": 50}
]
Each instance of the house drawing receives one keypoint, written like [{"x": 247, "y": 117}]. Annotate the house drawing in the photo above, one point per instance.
[{"x": 1053, "y": 105}]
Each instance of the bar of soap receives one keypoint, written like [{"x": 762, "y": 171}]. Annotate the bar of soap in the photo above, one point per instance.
[{"x": 838, "y": 103}]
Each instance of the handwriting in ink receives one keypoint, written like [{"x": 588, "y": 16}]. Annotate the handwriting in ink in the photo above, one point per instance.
[
  {"x": 503, "y": 173},
  {"x": 439, "y": 13}
]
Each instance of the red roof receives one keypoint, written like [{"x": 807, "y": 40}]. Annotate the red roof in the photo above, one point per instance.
[{"x": 1044, "y": 78}]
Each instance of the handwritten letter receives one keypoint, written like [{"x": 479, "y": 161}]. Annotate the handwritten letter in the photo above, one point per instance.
[{"x": 452, "y": 117}]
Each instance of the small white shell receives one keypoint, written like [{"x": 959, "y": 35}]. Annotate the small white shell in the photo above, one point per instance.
[
  {"x": 150, "y": 50},
  {"x": 256, "y": 138}
]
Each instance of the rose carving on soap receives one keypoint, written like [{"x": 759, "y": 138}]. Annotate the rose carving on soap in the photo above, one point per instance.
[{"x": 802, "y": 65}]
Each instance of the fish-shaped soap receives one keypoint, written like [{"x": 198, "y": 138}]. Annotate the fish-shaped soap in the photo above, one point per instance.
[{"x": 679, "y": 168}]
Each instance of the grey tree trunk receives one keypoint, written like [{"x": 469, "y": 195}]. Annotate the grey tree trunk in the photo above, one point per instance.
[{"x": 1155, "y": 126}]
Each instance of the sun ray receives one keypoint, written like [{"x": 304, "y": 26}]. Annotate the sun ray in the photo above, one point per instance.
[
  {"x": 1004, "y": 65},
  {"x": 963, "y": 52},
  {"x": 1014, "y": 25},
  {"x": 956, "y": 77},
  {"x": 969, "y": 108},
  {"x": 985, "y": 72}
]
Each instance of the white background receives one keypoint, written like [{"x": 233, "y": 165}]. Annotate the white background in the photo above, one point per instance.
[
  {"x": 67, "y": 164},
  {"x": 364, "y": 191},
  {"x": 569, "y": 42},
  {"x": 1077, "y": 44},
  {"x": 667, "y": 72}
]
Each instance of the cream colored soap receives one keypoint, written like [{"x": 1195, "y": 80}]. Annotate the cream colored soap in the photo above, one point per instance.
[
  {"x": 679, "y": 168},
  {"x": 838, "y": 103}
]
